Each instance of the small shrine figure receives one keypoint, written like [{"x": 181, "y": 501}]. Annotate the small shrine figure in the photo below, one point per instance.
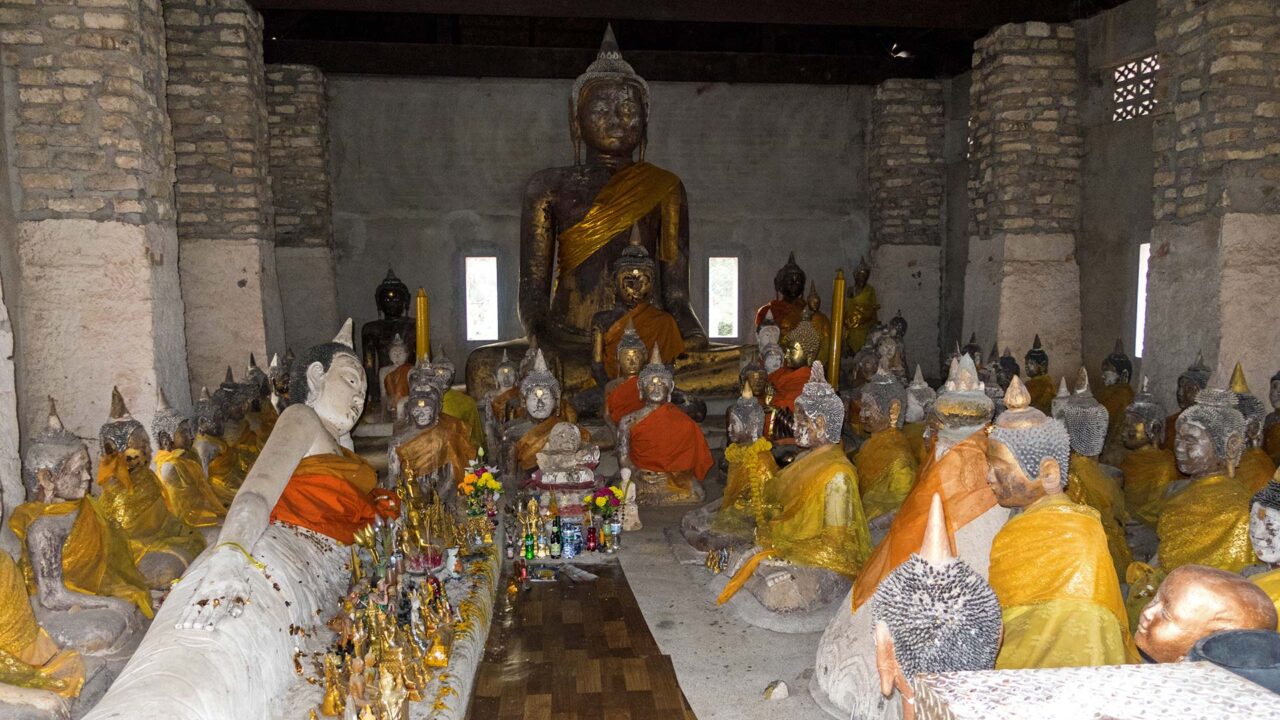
[
  {"x": 662, "y": 446},
  {"x": 920, "y": 399},
  {"x": 1195, "y": 602},
  {"x": 886, "y": 463},
  {"x": 860, "y": 309},
  {"x": 493, "y": 407},
  {"x": 1039, "y": 385},
  {"x": 434, "y": 448},
  {"x": 394, "y": 376},
  {"x": 186, "y": 488},
  {"x": 224, "y": 464},
  {"x": 800, "y": 350},
  {"x": 376, "y": 336},
  {"x": 455, "y": 402},
  {"x": 788, "y": 307},
  {"x": 526, "y": 435},
  {"x": 1194, "y": 379},
  {"x": 634, "y": 276},
  {"x": 278, "y": 376},
  {"x": 566, "y": 467},
  {"x": 1115, "y": 394},
  {"x": 752, "y": 374},
  {"x": 1256, "y": 467},
  {"x": 1148, "y": 467},
  {"x": 1271, "y": 427},
  {"x": 1264, "y": 535},
  {"x": 1006, "y": 368},
  {"x": 622, "y": 392}
]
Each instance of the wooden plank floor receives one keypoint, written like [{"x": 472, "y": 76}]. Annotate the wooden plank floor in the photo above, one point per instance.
[{"x": 566, "y": 651}]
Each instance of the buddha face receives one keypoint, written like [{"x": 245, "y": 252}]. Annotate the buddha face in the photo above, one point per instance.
[
  {"x": 860, "y": 277},
  {"x": 810, "y": 430},
  {"x": 1264, "y": 533},
  {"x": 790, "y": 283},
  {"x": 337, "y": 394},
  {"x": 539, "y": 402},
  {"x": 1011, "y": 486},
  {"x": 398, "y": 354},
  {"x": 180, "y": 440},
  {"x": 873, "y": 417},
  {"x": 68, "y": 480},
  {"x": 1109, "y": 375},
  {"x": 795, "y": 355},
  {"x": 772, "y": 357},
  {"x": 757, "y": 380},
  {"x": 1194, "y": 602},
  {"x": 1135, "y": 434},
  {"x": 611, "y": 117},
  {"x": 630, "y": 360},
  {"x": 393, "y": 301},
  {"x": 657, "y": 390},
  {"x": 1195, "y": 452},
  {"x": 505, "y": 377},
  {"x": 633, "y": 286},
  {"x": 739, "y": 431},
  {"x": 138, "y": 452},
  {"x": 424, "y": 411},
  {"x": 1188, "y": 389},
  {"x": 1034, "y": 367}
]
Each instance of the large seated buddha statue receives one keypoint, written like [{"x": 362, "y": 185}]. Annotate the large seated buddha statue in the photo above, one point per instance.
[
  {"x": 1256, "y": 467},
  {"x": 429, "y": 448},
  {"x": 886, "y": 463},
  {"x": 577, "y": 220},
  {"x": 377, "y": 336},
  {"x": 662, "y": 447},
  {"x": 454, "y": 402},
  {"x": 525, "y": 435}
]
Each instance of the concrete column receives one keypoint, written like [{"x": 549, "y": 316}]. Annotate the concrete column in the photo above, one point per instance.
[
  {"x": 1024, "y": 191},
  {"x": 90, "y": 255},
  {"x": 907, "y": 174},
  {"x": 218, "y": 110},
  {"x": 298, "y": 121},
  {"x": 1214, "y": 274}
]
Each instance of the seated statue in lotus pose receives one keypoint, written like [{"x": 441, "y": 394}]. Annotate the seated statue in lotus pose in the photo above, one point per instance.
[
  {"x": 814, "y": 538},
  {"x": 377, "y": 336},
  {"x": 224, "y": 464},
  {"x": 634, "y": 277},
  {"x": 800, "y": 349},
  {"x": 454, "y": 402},
  {"x": 622, "y": 391},
  {"x": 277, "y": 570},
  {"x": 787, "y": 309},
  {"x": 1271, "y": 427},
  {"x": 955, "y": 470},
  {"x": 1049, "y": 565},
  {"x": 493, "y": 407},
  {"x": 1264, "y": 535},
  {"x": 860, "y": 309},
  {"x": 1088, "y": 483},
  {"x": 1115, "y": 395},
  {"x": 524, "y": 436},
  {"x": 1148, "y": 468},
  {"x": 436, "y": 452},
  {"x": 1256, "y": 467},
  {"x": 1195, "y": 602},
  {"x": 35, "y": 674},
  {"x": 1039, "y": 384},
  {"x": 394, "y": 377},
  {"x": 187, "y": 491},
  {"x": 886, "y": 464},
  {"x": 933, "y": 614},
  {"x": 663, "y": 447},
  {"x": 1194, "y": 379}
]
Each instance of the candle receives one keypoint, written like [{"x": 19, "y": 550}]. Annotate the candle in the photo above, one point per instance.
[
  {"x": 837, "y": 330},
  {"x": 424, "y": 326}
]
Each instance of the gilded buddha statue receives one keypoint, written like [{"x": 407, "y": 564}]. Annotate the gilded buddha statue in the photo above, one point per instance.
[
  {"x": 1115, "y": 394},
  {"x": 1256, "y": 467},
  {"x": 662, "y": 447},
  {"x": 1195, "y": 602},
  {"x": 578, "y": 220},
  {"x": 622, "y": 391},
  {"x": 187, "y": 490},
  {"x": 634, "y": 276},
  {"x": 431, "y": 449},
  {"x": 376, "y": 336},
  {"x": 860, "y": 309},
  {"x": 800, "y": 349}
]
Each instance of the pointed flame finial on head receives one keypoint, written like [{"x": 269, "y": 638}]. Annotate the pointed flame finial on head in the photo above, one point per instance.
[
  {"x": 1119, "y": 348},
  {"x": 1036, "y": 345},
  {"x": 506, "y": 358},
  {"x": 936, "y": 547},
  {"x": 253, "y": 361},
  {"x": 655, "y": 357},
  {"x": 344, "y": 336},
  {"x": 1082, "y": 381},
  {"x": 540, "y": 363},
  {"x": 919, "y": 376},
  {"x": 1145, "y": 383},
  {"x": 54, "y": 423},
  {"x": 229, "y": 378},
  {"x": 746, "y": 391},
  {"x": 204, "y": 393},
  {"x": 1017, "y": 397},
  {"x": 275, "y": 362},
  {"x": 1238, "y": 382},
  {"x": 119, "y": 410}
]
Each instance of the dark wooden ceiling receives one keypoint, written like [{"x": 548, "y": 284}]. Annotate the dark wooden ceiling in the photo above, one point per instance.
[{"x": 788, "y": 41}]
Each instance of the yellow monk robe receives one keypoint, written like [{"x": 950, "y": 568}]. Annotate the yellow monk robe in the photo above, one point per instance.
[
  {"x": 1115, "y": 398},
  {"x": 395, "y": 385},
  {"x": 799, "y": 532},
  {"x": 132, "y": 500},
  {"x": 461, "y": 405},
  {"x": 959, "y": 477},
  {"x": 528, "y": 446},
  {"x": 886, "y": 471},
  {"x": 226, "y": 471},
  {"x": 1088, "y": 485},
  {"x": 1061, "y": 599},
  {"x": 915, "y": 436},
  {"x": 668, "y": 440},
  {"x": 1147, "y": 473},
  {"x": 334, "y": 495},
  {"x": 1271, "y": 442},
  {"x": 1256, "y": 469},
  {"x": 1270, "y": 583},
  {"x": 654, "y": 326},
  {"x": 250, "y": 444},
  {"x": 435, "y": 447},
  {"x": 624, "y": 399},
  {"x": 860, "y": 313},
  {"x": 787, "y": 384},
  {"x": 96, "y": 559},
  {"x": 1042, "y": 391},
  {"x": 1206, "y": 523},
  {"x": 750, "y": 466},
  {"x": 191, "y": 497},
  {"x": 28, "y": 656}
]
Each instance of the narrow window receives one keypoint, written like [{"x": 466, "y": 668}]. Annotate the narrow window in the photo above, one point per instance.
[
  {"x": 1133, "y": 92},
  {"x": 722, "y": 296},
  {"x": 1140, "y": 327},
  {"x": 482, "y": 298}
]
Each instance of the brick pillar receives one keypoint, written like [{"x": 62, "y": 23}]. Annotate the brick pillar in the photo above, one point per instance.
[
  {"x": 1214, "y": 274},
  {"x": 1024, "y": 191},
  {"x": 218, "y": 110},
  {"x": 90, "y": 255},
  {"x": 907, "y": 174},
  {"x": 297, "y": 114}
]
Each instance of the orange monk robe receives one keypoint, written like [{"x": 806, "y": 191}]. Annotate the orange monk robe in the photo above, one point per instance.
[
  {"x": 1147, "y": 473},
  {"x": 959, "y": 477},
  {"x": 786, "y": 314},
  {"x": 433, "y": 448},
  {"x": 654, "y": 326},
  {"x": 787, "y": 384},
  {"x": 668, "y": 440},
  {"x": 28, "y": 656},
  {"x": 1271, "y": 441},
  {"x": 886, "y": 471},
  {"x": 498, "y": 406},
  {"x": 528, "y": 446},
  {"x": 623, "y": 399},
  {"x": 1088, "y": 484},
  {"x": 1256, "y": 469},
  {"x": 334, "y": 495},
  {"x": 1042, "y": 391},
  {"x": 395, "y": 386}
]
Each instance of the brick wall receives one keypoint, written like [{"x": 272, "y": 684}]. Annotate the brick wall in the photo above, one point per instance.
[
  {"x": 906, "y": 167},
  {"x": 299, "y": 134}
]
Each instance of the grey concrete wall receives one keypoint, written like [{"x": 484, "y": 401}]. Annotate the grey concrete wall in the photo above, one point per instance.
[
  {"x": 11, "y": 491},
  {"x": 955, "y": 243},
  {"x": 426, "y": 171}
]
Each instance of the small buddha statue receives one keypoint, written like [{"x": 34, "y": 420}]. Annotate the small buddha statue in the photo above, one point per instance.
[
  {"x": 393, "y": 378},
  {"x": 1088, "y": 483},
  {"x": 431, "y": 449},
  {"x": 525, "y": 436},
  {"x": 1115, "y": 394},
  {"x": 392, "y": 298},
  {"x": 132, "y": 499},
  {"x": 1194, "y": 602},
  {"x": 989, "y": 373},
  {"x": 974, "y": 350},
  {"x": 867, "y": 360},
  {"x": 820, "y": 321},
  {"x": 1060, "y": 400},
  {"x": 1256, "y": 467},
  {"x": 1050, "y": 565},
  {"x": 891, "y": 352},
  {"x": 886, "y": 463},
  {"x": 224, "y": 464},
  {"x": 933, "y": 614},
  {"x": 1264, "y": 535},
  {"x": 494, "y": 404},
  {"x": 860, "y": 308},
  {"x": 187, "y": 491},
  {"x": 772, "y": 357},
  {"x": 1194, "y": 379},
  {"x": 566, "y": 467},
  {"x": 278, "y": 376},
  {"x": 920, "y": 398},
  {"x": 787, "y": 307},
  {"x": 767, "y": 331},
  {"x": 455, "y": 402},
  {"x": 1148, "y": 467},
  {"x": 634, "y": 277},
  {"x": 622, "y": 393},
  {"x": 661, "y": 445},
  {"x": 799, "y": 350},
  {"x": 1271, "y": 427},
  {"x": 1039, "y": 384},
  {"x": 1006, "y": 368}
]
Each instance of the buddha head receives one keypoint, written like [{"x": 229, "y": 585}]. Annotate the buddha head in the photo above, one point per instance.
[
  {"x": 392, "y": 296},
  {"x": 962, "y": 406},
  {"x": 170, "y": 428},
  {"x": 235, "y": 398},
  {"x": 861, "y": 274},
  {"x": 1196, "y": 601},
  {"x": 1143, "y": 420},
  {"x": 634, "y": 274},
  {"x": 772, "y": 357},
  {"x": 540, "y": 389},
  {"x": 1210, "y": 435},
  {"x": 278, "y": 375},
  {"x": 1028, "y": 453},
  {"x": 1036, "y": 361},
  {"x": 883, "y": 400},
  {"x": 920, "y": 398},
  {"x": 255, "y": 378},
  {"x": 819, "y": 415},
  {"x": 933, "y": 614},
  {"x": 1264, "y": 523},
  {"x": 330, "y": 379},
  {"x": 505, "y": 374},
  {"x": 443, "y": 371},
  {"x": 656, "y": 380},
  {"x": 754, "y": 375},
  {"x": 1086, "y": 419},
  {"x": 609, "y": 107},
  {"x": 768, "y": 332},
  {"x": 123, "y": 434},
  {"x": 210, "y": 419},
  {"x": 423, "y": 406},
  {"x": 1060, "y": 400},
  {"x": 398, "y": 351},
  {"x": 1117, "y": 369},
  {"x": 801, "y": 346},
  {"x": 746, "y": 418},
  {"x": 1006, "y": 369},
  {"x": 1274, "y": 392},
  {"x": 789, "y": 281},
  {"x": 56, "y": 466},
  {"x": 1254, "y": 412},
  {"x": 814, "y": 301},
  {"x": 631, "y": 352},
  {"x": 1191, "y": 382}
]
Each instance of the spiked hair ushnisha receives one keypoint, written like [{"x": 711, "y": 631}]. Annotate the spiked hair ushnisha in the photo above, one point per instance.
[
  {"x": 1029, "y": 434},
  {"x": 748, "y": 410},
  {"x": 1086, "y": 419},
  {"x": 540, "y": 376},
  {"x": 50, "y": 447},
  {"x": 608, "y": 66},
  {"x": 1148, "y": 409},
  {"x": 818, "y": 398},
  {"x": 1215, "y": 412},
  {"x": 656, "y": 369}
]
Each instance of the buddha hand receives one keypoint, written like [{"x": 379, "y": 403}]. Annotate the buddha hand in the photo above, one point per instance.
[{"x": 222, "y": 592}]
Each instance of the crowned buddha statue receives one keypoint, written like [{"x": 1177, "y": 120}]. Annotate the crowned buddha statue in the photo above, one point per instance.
[
  {"x": 37, "y": 677},
  {"x": 1088, "y": 483},
  {"x": 1194, "y": 379},
  {"x": 1264, "y": 535},
  {"x": 277, "y": 570},
  {"x": 393, "y": 377},
  {"x": 955, "y": 471},
  {"x": 376, "y": 336},
  {"x": 661, "y": 445},
  {"x": 633, "y": 278},
  {"x": 1049, "y": 564},
  {"x": 1148, "y": 467},
  {"x": 524, "y": 436},
  {"x": 1256, "y": 467},
  {"x": 493, "y": 407},
  {"x": 1194, "y": 602},
  {"x": 576, "y": 222},
  {"x": 133, "y": 500},
  {"x": 1115, "y": 394},
  {"x": 886, "y": 463},
  {"x": 1271, "y": 426},
  {"x": 860, "y": 308},
  {"x": 799, "y": 350},
  {"x": 187, "y": 491},
  {"x": 1036, "y": 366},
  {"x": 428, "y": 448},
  {"x": 814, "y": 537},
  {"x": 622, "y": 391},
  {"x": 457, "y": 403}
]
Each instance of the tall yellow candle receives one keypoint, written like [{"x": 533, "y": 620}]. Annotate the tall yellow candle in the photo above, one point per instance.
[
  {"x": 424, "y": 325},
  {"x": 837, "y": 330}
]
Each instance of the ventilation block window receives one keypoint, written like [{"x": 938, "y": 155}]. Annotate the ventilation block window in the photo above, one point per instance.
[
  {"x": 1134, "y": 88},
  {"x": 482, "y": 298},
  {"x": 722, "y": 296}
]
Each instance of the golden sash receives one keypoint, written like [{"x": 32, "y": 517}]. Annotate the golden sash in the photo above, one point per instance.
[
  {"x": 1206, "y": 523},
  {"x": 28, "y": 656},
  {"x": 886, "y": 472}
]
